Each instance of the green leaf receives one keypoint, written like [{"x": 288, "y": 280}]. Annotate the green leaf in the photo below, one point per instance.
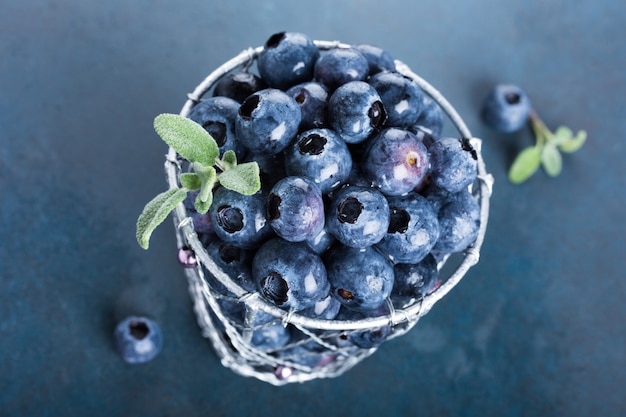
[
  {"x": 190, "y": 181},
  {"x": 207, "y": 176},
  {"x": 155, "y": 212},
  {"x": 243, "y": 178},
  {"x": 187, "y": 138},
  {"x": 551, "y": 160},
  {"x": 229, "y": 159},
  {"x": 203, "y": 206},
  {"x": 525, "y": 164},
  {"x": 574, "y": 143},
  {"x": 562, "y": 134}
]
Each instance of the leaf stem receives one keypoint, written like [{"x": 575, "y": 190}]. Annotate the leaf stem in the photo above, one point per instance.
[{"x": 542, "y": 133}]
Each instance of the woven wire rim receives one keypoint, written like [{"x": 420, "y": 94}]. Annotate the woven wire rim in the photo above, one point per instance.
[{"x": 186, "y": 236}]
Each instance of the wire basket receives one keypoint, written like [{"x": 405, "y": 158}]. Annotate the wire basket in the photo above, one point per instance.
[{"x": 215, "y": 294}]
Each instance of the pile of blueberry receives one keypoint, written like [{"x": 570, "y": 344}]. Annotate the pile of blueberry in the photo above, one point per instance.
[{"x": 361, "y": 194}]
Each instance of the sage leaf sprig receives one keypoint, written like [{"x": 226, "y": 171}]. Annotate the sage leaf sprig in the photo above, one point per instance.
[
  {"x": 195, "y": 144},
  {"x": 546, "y": 152}
]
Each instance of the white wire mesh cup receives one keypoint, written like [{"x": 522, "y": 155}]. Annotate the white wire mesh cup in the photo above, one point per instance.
[{"x": 211, "y": 288}]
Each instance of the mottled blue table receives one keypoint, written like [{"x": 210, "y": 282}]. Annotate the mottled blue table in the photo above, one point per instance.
[{"x": 535, "y": 329}]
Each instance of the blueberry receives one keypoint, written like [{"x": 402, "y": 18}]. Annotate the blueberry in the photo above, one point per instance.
[
  {"x": 217, "y": 115},
  {"x": 240, "y": 219},
  {"x": 413, "y": 281},
  {"x": 459, "y": 220},
  {"x": 358, "y": 216},
  {"x": 138, "y": 339},
  {"x": 267, "y": 121},
  {"x": 369, "y": 338},
  {"x": 321, "y": 242},
  {"x": 309, "y": 354},
  {"x": 322, "y": 156},
  {"x": 339, "y": 66},
  {"x": 312, "y": 97},
  {"x": 506, "y": 108},
  {"x": 453, "y": 163},
  {"x": 289, "y": 275},
  {"x": 271, "y": 167},
  {"x": 413, "y": 229},
  {"x": 287, "y": 59},
  {"x": 355, "y": 111},
  {"x": 361, "y": 279},
  {"x": 326, "y": 308},
  {"x": 431, "y": 118},
  {"x": 264, "y": 331},
  {"x": 201, "y": 222},
  {"x": 295, "y": 209},
  {"x": 395, "y": 161},
  {"x": 378, "y": 59},
  {"x": 229, "y": 305},
  {"x": 239, "y": 85},
  {"x": 401, "y": 96},
  {"x": 234, "y": 261}
]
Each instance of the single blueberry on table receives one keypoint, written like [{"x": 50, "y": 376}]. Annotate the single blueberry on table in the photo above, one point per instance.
[
  {"x": 239, "y": 85},
  {"x": 357, "y": 216},
  {"x": 312, "y": 97},
  {"x": 361, "y": 279},
  {"x": 138, "y": 339},
  {"x": 322, "y": 156},
  {"x": 413, "y": 281},
  {"x": 413, "y": 229},
  {"x": 459, "y": 220},
  {"x": 289, "y": 275},
  {"x": 295, "y": 208},
  {"x": 506, "y": 108},
  {"x": 217, "y": 115},
  {"x": 377, "y": 58},
  {"x": 355, "y": 111},
  {"x": 240, "y": 219},
  {"x": 395, "y": 161},
  {"x": 401, "y": 96},
  {"x": 453, "y": 163},
  {"x": 339, "y": 66},
  {"x": 287, "y": 59},
  {"x": 267, "y": 121}
]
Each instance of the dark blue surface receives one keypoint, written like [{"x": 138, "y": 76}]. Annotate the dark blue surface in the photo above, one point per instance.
[{"x": 535, "y": 329}]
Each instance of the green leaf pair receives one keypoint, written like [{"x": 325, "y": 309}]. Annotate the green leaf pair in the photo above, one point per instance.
[
  {"x": 195, "y": 144},
  {"x": 546, "y": 152}
]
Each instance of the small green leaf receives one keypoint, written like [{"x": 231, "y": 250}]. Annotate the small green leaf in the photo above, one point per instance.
[
  {"x": 229, "y": 159},
  {"x": 155, "y": 212},
  {"x": 187, "y": 138},
  {"x": 525, "y": 164},
  {"x": 203, "y": 206},
  {"x": 243, "y": 178},
  {"x": 562, "y": 134},
  {"x": 574, "y": 143},
  {"x": 551, "y": 160},
  {"x": 207, "y": 176},
  {"x": 190, "y": 181}
]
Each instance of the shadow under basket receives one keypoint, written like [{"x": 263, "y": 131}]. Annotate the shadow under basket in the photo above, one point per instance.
[{"x": 317, "y": 348}]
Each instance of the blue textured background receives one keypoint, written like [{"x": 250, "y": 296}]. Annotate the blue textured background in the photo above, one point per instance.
[{"x": 535, "y": 329}]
